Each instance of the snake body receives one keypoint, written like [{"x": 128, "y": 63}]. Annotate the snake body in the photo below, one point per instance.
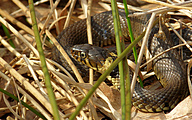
[{"x": 169, "y": 67}]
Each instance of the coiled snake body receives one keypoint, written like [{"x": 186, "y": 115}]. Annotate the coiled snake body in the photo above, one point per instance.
[{"x": 169, "y": 68}]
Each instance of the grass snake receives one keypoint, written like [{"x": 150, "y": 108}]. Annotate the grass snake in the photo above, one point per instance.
[{"x": 169, "y": 67}]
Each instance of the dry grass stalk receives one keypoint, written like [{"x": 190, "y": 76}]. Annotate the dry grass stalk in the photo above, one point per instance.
[
  {"x": 162, "y": 9},
  {"x": 146, "y": 37},
  {"x": 167, "y": 5},
  {"x": 70, "y": 13},
  {"x": 174, "y": 47}
]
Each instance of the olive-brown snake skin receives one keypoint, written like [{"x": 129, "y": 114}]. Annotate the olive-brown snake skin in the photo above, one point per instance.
[{"x": 169, "y": 67}]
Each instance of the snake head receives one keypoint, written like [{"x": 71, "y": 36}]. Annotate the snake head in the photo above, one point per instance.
[{"x": 94, "y": 57}]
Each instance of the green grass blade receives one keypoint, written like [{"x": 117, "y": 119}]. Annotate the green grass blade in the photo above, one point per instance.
[
  {"x": 43, "y": 63},
  {"x": 8, "y": 35},
  {"x": 128, "y": 88},
  {"x": 131, "y": 36},
  {"x": 130, "y": 29},
  {"x": 123, "y": 67}
]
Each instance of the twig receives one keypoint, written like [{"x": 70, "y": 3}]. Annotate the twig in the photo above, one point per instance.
[
  {"x": 142, "y": 51},
  {"x": 162, "y": 9},
  {"x": 174, "y": 47},
  {"x": 69, "y": 14},
  {"x": 49, "y": 16},
  {"x": 167, "y": 5},
  {"x": 89, "y": 35},
  {"x": 55, "y": 16},
  {"x": 56, "y": 21},
  {"x": 84, "y": 7},
  {"x": 8, "y": 46},
  {"x": 187, "y": 45}
]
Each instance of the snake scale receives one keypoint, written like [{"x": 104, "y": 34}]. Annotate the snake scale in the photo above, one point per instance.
[{"x": 168, "y": 67}]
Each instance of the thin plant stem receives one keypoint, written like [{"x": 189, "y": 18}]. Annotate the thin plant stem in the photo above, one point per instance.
[
  {"x": 130, "y": 29},
  {"x": 152, "y": 19},
  {"x": 127, "y": 82},
  {"x": 120, "y": 47},
  {"x": 43, "y": 63},
  {"x": 8, "y": 35},
  {"x": 131, "y": 36}
]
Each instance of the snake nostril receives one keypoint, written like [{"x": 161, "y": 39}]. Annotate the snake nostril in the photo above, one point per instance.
[{"x": 72, "y": 51}]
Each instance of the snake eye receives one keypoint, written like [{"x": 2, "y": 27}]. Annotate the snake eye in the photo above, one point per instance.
[{"x": 83, "y": 55}]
